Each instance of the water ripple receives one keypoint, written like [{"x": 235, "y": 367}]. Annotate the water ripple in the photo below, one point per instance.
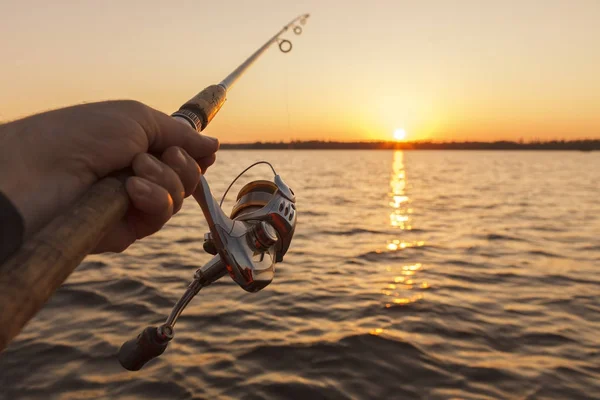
[{"x": 421, "y": 275}]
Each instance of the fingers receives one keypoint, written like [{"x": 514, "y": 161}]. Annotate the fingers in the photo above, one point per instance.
[
  {"x": 206, "y": 162},
  {"x": 156, "y": 191},
  {"x": 152, "y": 169},
  {"x": 185, "y": 166},
  {"x": 152, "y": 206},
  {"x": 168, "y": 131}
]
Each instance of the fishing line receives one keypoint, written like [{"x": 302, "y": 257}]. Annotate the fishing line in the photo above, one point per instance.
[
  {"x": 242, "y": 173},
  {"x": 287, "y": 97}
]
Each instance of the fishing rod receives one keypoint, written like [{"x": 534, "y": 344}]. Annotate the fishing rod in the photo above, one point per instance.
[
  {"x": 201, "y": 109},
  {"x": 245, "y": 245}
]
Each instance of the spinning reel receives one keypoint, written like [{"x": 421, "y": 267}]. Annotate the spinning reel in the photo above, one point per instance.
[{"x": 246, "y": 245}]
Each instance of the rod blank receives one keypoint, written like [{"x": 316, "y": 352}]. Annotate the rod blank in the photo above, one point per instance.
[{"x": 233, "y": 77}]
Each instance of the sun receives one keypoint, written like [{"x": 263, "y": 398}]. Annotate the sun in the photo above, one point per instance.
[{"x": 399, "y": 134}]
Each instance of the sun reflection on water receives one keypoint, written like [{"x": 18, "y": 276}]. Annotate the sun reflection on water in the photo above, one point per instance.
[
  {"x": 399, "y": 201},
  {"x": 404, "y": 287}
]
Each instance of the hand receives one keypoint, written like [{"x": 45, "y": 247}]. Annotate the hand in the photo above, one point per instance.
[{"x": 48, "y": 160}]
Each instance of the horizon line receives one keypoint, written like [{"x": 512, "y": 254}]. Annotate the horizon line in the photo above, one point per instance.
[{"x": 421, "y": 141}]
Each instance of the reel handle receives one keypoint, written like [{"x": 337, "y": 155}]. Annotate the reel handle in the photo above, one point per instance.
[{"x": 149, "y": 344}]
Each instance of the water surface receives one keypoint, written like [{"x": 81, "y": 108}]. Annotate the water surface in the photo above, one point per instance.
[{"x": 419, "y": 274}]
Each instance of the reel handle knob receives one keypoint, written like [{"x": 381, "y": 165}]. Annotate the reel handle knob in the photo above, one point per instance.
[{"x": 149, "y": 344}]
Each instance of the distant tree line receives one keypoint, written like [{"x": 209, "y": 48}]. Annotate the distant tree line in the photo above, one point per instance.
[{"x": 580, "y": 145}]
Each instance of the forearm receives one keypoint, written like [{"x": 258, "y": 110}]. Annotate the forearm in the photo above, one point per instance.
[
  {"x": 11, "y": 220},
  {"x": 11, "y": 228},
  {"x": 21, "y": 181}
]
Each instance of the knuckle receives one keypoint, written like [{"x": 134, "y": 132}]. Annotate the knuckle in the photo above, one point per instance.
[
  {"x": 139, "y": 112},
  {"x": 133, "y": 105},
  {"x": 174, "y": 149},
  {"x": 171, "y": 155}
]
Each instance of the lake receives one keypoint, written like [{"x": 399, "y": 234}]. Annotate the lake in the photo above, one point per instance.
[{"x": 419, "y": 274}]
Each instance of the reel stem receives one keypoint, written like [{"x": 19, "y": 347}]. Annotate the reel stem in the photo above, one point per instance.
[{"x": 204, "y": 276}]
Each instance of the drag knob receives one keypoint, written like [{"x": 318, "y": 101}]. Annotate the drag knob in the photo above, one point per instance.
[
  {"x": 264, "y": 236},
  {"x": 149, "y": 344}
]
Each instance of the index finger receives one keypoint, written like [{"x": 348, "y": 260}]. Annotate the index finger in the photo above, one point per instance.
[{"x": 167, "y": 131}]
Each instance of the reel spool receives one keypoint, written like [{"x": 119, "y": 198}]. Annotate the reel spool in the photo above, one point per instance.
[{"x": 253, "y": 196}]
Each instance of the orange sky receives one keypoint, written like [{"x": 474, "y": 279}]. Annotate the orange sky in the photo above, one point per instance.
[{"x": 442, "y": 70}]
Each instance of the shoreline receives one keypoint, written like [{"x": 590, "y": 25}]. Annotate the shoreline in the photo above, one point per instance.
[{"x": 575, "y": 145}]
